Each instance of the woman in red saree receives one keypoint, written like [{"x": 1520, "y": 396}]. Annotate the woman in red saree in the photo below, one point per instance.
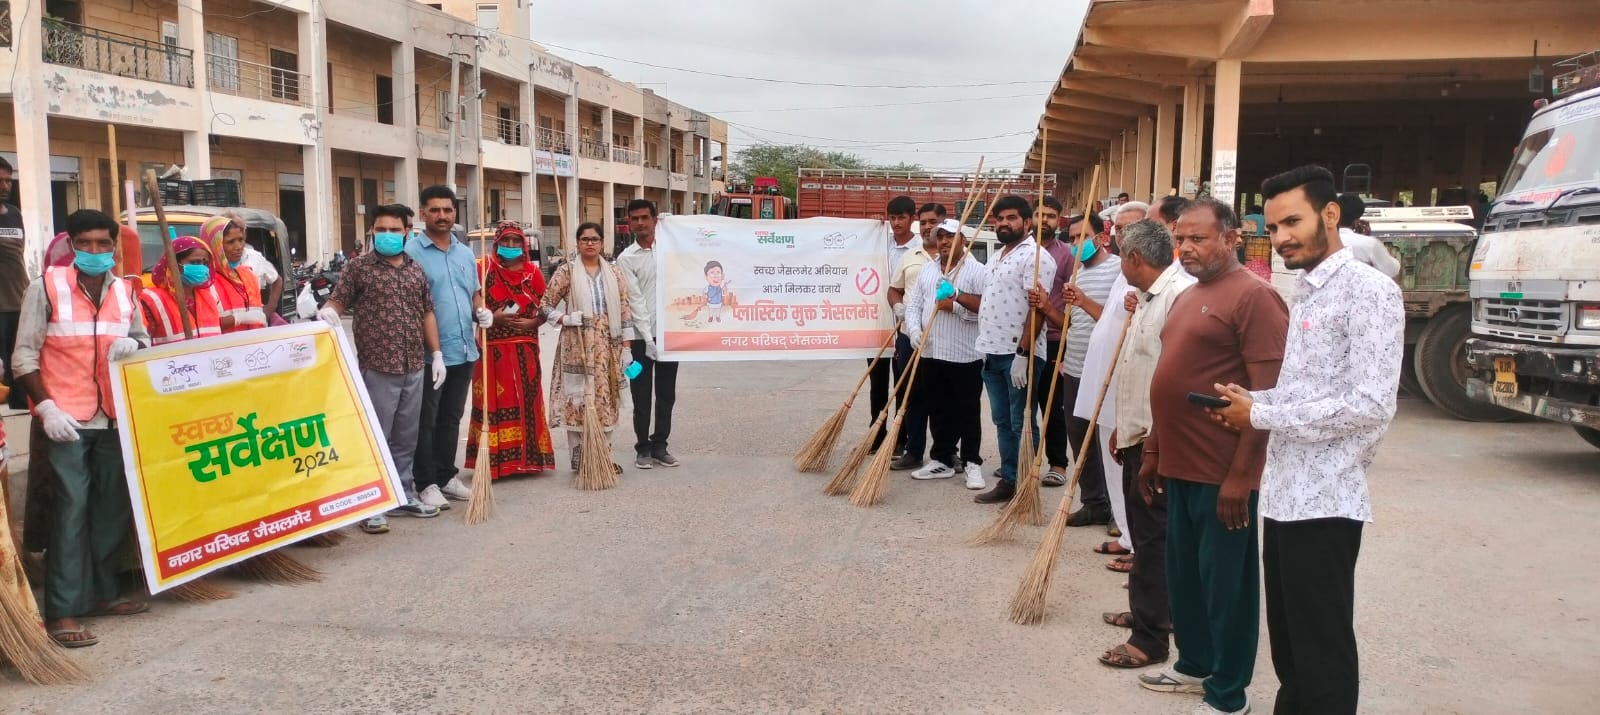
[{"x": 519, "y": 436}]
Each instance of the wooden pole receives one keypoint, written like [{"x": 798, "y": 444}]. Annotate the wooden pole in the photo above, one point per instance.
[
  {"x": 114, "y": 184},
  {"x": 167, "y": 236}
]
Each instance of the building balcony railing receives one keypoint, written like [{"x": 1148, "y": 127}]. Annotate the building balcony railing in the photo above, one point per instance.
[
  {"x": 74, "y": 45},
  {"x": 5, "y": 23},
  {"x": 256, "y": 81},
  {"x": 624, "y": 155},
  {"x": 554, "y": 141},
  {"x": 591, "y": 149},
  {"x": 506, "y": 131}
]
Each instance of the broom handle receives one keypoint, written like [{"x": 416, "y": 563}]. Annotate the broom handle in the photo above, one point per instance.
[
  {"x": 851, "y": 400},
  {"x": 154, "y": 187},
  {"x": 1094, "y": 419},
  {"x": 1066, "y": 328}
]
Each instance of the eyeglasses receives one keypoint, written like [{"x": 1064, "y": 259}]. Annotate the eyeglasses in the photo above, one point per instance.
[{"x": 594, "y": 239}]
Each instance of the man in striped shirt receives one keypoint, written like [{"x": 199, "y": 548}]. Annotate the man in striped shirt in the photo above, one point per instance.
[{"x": 952, "y": 367}]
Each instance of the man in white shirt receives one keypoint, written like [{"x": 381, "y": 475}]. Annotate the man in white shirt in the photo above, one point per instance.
[
  {"x": 1333, "y": 401},
  {"x": 902, "y": 211},
  {"x": 656, "y": 379},
  {"x": 950, "y": 379},
  {"x": 267, "y": 274},
  {"x": 1005, "y": 332},
  {"x": 1366, "y": 249},
  {"x": 903, "y": 276}
]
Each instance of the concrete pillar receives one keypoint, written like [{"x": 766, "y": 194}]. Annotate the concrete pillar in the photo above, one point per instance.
[
  {"x": 403, "y": 58},
  {"x": 608, "y": 207},
  {"x": 1166, "y": 142},
  {"x": 666, "y": 151},
  {"x": 638, "y": 146},
  {"x": 1130, "y": 154},
  {"x": 1194, "y": 121},
  {"x": 638, "y": 193},
  {"x": 1143, "y": 158},
  {"x": 530, "y": 200},
  {"x": 570, "y": 192},
  {"x": 1225, "y": 133},
  {"x": 196, "y": 144},
  {"x": 607, "y": 119},
  {"x": 1112, "y": 176},
  {"x": 317, "y": 158},
  {"x": 28, "y": 109}
]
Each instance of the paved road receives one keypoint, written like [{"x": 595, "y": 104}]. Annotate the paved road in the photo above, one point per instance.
[{"x": 731, "y": 585}]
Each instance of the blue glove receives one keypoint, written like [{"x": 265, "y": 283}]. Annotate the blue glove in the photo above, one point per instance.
[{"x": 946, "y": 291}]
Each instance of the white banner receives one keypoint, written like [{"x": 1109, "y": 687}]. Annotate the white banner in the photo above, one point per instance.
[{"x": 741, "y": 289}]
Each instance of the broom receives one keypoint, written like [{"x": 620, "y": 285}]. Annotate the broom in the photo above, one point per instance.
[
  {"x": 875, "y": 481},
  {"x": 1024, "y": 507},
  {"x": 324, "y": 540},
  {"x": 277, "y": 567},
  {"x": 594, "y": 466},
  {"x": 480, "y": 502},
  {"x": 813, "y": 455},
  {"x": 23, "y": 643},
  {"x": 846, "y": 475},
  {"x": 1028, "y": 605},
  {"x": 1025, "y": 500},
  {"x": 200, "y": 590}
]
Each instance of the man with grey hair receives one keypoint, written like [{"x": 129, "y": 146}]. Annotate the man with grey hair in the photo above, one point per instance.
[{"x": 1147, "y": 265}]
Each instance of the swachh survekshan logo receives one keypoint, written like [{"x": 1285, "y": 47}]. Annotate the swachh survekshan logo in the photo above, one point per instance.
[{"x": 773, "y": 238}]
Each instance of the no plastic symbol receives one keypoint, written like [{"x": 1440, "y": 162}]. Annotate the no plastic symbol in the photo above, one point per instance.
[{"x": 867, "y": 281}]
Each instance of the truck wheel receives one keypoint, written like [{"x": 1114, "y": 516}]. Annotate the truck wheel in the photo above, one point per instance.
[
  {"x": 1589, "y": 434},
  {"x": 1408, "y": 375},
  {"x": 1442, "y": 368}
]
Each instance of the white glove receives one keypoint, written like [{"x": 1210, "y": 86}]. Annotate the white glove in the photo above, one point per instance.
[
  {"x": 58, "y": 425},
  {"x": 555, "y": 317},
  {"x": 438, "y": 369},
  {"x": 330, "y": 317},
  {"x": 121, "y": 348},
  {"x": 484, "y": 317},
  {"x": 305, "y": 304},
  {"x": 1019, "y": 371},
  {"x": 900, "y": 310},
  {"x": 914, "y": 334},
  {"x": 573, "y": 319},
  {"x": 627, "y": 358},
  {"x": 5, "y": 456},
  {"x": 650, "y": 349},
  {"x": 253, "y": 317}
]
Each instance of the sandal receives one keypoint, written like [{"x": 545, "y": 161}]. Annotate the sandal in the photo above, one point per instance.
[
  {"x": 616, "y": 469},
  {"x": 1053, "y": 478},
  {"x": 1121, "y": 619},
  {"x": 1111, "y": 548},
  {"x": 1121, "y": 657},
  {"x": 1121, "y": 564},
  {"x": 121, "y": 607},
  {"x": 63, "y": 637}
]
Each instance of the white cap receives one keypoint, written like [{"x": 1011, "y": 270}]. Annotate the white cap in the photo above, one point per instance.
[{"x": 950, "y": 226}]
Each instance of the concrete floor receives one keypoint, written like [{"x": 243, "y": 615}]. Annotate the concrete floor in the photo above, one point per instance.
[{"x": 732, "y": 585}]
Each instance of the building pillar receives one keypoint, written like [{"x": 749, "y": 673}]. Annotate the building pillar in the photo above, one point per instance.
[
  {"x": 607, "y": 123},
  {"x": 638, "y": 146},
  {"x": 1225, "y": 133},
  {"x": 1113, "y": 171},
  {"x": 608, "y": 207},
  {"x": 403, "y": 58},
  {"x": 1144, "y": 155},
  {"x": 29, "y": 117},
  {"x": 571, "y": 194},
  {"x": 1130, "y": 155},
  {"x": 1166, "y": 142},
  {"x": 197, "y": 143},
  {"x": 1194, "y": 121},
  {"x": 317, "y": 158},
  {"x": 666, "y": 152}
]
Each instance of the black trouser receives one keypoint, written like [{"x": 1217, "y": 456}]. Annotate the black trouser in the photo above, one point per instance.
[
  {"x": 1092, "y": 485},
  {"x": 913, "y": 439},
  {"x": 953, "y": 397},
  {"x": 1147, "y": 583},
  {"x": 1310, "y": 569},
  {"x": 1055, "y": 432},
  {"x": 659, "y": 380},
  {"x": 882, "y": 378},
  {"x": 8, "y": 342},
  {"x": 440, "y": 431}
]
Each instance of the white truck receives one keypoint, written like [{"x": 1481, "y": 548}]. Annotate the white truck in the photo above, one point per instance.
[{"x": 1535, "y": 274}]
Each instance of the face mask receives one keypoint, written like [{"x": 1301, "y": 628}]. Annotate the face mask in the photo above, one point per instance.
[
  {"x": 1088, "y": 251},
  {"x": 94, "y": 264},
  {"x": 388, "y": 244},
  {"x": 234, "y": 264},
  {"x": 195, "y": 274},
  {"x": 507, "y": 252}
]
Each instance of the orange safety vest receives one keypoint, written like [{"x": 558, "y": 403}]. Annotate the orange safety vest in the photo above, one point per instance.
[
  {"x": 166, "y": 324},
  {"x": 231, "y": 302},
  {"x": 77, "y": 340}
]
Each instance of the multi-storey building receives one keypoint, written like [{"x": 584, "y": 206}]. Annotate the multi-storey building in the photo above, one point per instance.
[{"x": 320, "y": 108}]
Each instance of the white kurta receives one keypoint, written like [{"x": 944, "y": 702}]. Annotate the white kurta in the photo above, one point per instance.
[{"x": 1097, "y": 362}]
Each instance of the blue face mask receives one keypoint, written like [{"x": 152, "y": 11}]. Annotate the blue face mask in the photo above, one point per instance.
[
  {"x": 196, "y": 274},
  {"x": 508, "y": 252},
  {"x": 234, "y": 264},
  {"x": 93, "y": 264},
  {"x": 1088, "y": 250},
  {"x": 388, "y": 244}
]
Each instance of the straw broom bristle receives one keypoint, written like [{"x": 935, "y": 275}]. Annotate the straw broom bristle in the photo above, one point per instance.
[
  {"x": 1027, "y": 606},
  {"x": 1022, "y": 509},
  {"x": 814, "y": 454},
  {"x": 846, "y": 476},
  {"x": 200, "y": 590},
  {"x": 27, "y": 647},
  {"x": 278, "y": 567},
  {"x": 326, "y": 539},
  {"x": 480, "y": 505},
  {"x": 594, "y": 467},
  {"x": 875, "y": 481}
]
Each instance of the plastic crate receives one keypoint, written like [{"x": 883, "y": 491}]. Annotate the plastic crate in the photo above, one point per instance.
[
  {"x": 216, "y": 192},
  {"x": 1258, "y": 255},
  {"x": 175, "y": 192}
]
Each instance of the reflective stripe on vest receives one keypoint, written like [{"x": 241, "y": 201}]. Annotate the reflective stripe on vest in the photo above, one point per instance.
[
  {"x": 62, "y": 298},
  {"x": 168, "y": 324},
  {"x": 77, "y": 338}
]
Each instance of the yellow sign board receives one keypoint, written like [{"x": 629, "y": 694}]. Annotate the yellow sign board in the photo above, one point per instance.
[{"x": 239, "y": 444}]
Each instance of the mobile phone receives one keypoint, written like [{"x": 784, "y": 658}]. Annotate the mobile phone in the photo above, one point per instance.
[{"x": 1211, "y": 401}]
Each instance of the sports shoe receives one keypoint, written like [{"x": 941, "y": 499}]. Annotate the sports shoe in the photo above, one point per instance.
[
  {"x": 904, "y": 461},
  {"x": 454, "y": 489},
  {"x": 433, "y": 497},
  {"x": 375, "y": 525},
  {"x": 417, "y": 509},
  {"x": 1204, "y": 708},
  {"x": 1169, "y": 680},
  {"x": 975, "y": 477},
  {"x": 935, "y": 469},
  {"x": 644, "y": 461},
  {"x": 664, "y": 458}
]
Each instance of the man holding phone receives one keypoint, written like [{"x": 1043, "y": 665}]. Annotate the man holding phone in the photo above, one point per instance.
[{"x": 1227, "y": 329}]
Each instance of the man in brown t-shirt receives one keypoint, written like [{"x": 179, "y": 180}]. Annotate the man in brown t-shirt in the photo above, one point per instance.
[{"x": 1230, "y": 326}]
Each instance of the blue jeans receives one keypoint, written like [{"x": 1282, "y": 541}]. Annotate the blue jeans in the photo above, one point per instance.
[{"x": 1006, "y": 409}]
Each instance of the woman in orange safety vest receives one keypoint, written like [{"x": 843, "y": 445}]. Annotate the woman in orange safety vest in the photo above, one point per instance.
[
  {"x": 160, "y": 302},
  {"x": 237, "y": 288}
]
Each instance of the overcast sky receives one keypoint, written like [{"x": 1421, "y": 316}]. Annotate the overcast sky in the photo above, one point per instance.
[{"x": 1017, "y": 47}]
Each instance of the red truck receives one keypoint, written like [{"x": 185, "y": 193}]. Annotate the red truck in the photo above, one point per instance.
[{"x": 855, "y": 193}]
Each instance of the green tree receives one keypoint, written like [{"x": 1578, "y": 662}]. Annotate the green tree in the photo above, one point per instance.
[{"x": 784, "y": 161}]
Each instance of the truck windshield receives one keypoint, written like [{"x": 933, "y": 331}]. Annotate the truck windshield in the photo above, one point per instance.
[
  {"x": 152, "y": 248},
  {"x": 1555, "y": 158}
]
